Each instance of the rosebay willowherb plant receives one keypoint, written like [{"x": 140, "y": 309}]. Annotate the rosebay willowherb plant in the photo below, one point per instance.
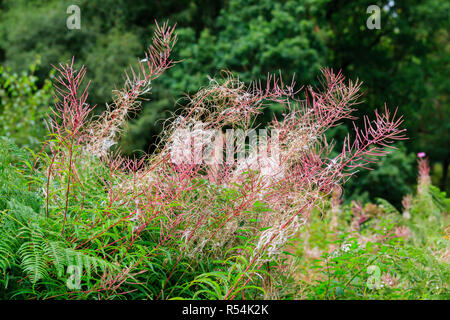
[{"x": 196, "y": 225}]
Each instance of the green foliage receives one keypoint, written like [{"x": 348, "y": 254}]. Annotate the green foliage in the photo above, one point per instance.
[
  {"x": 23, "y": 106},
  {"x": 224, "y": 281},
  {"x": 390, "y": 178},
  {"x": 388, "y": 256},
  {"x": 252, "y": 38},
  {"x": 31, "y": 244},
  {"x": 405, "y": 62},
  {"x": 379, "y": 270}
]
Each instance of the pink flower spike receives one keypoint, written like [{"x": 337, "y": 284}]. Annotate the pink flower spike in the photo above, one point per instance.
[{"x": 421, "y": 154}]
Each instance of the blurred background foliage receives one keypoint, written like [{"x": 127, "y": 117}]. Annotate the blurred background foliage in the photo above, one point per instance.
[
  {"x": 24, "y": 106},
  {"x": 405, "y": 64}
]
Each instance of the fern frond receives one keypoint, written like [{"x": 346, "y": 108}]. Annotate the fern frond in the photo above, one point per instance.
[
  {"x": 62, "y": 256},
  {"x": 32, "y": 255},
  {"x": 7, "y": 249}
]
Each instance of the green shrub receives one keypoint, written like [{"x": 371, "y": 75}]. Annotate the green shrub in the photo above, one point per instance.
[{"x": 24, "y": 106}]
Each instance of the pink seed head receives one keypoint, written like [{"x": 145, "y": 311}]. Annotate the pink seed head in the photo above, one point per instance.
[{"x": 421, "y": 154}]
